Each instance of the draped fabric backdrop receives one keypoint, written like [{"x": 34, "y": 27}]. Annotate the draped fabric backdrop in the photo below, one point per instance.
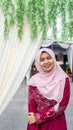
[{"x": 15, "y": 59}]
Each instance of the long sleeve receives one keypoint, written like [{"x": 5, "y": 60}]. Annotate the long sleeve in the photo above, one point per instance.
[
  {"x": 31, "y": 108},
  {"x": 50, "y": 113},
  {"x": 31, "y": 102}
]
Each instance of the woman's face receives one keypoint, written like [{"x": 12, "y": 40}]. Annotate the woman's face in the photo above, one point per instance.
[{"x": 46, "y": 62}]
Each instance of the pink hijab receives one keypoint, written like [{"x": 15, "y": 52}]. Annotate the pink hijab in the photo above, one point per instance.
[{"x": 50, "y": 84}]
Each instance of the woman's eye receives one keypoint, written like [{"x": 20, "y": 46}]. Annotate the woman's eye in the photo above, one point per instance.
[
  {"x": 48, "y": 58},
  {"x": 41, "y": 60}
]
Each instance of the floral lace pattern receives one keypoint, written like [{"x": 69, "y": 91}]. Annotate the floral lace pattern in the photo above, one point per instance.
[
  {"x": 41, "y": 101},
  {"x": 43, "y": 108}
]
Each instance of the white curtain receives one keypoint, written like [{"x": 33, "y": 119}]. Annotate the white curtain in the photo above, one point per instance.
[
  {"x": 70, "y": 56},
  {"x": 15, "y": 59}
]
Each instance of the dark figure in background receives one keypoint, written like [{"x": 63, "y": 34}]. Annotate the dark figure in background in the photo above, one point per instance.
[
  {"x": 63, "y": 66},
  {"x": 68, "y": 71},
  {"x": 33, "y": 70}
]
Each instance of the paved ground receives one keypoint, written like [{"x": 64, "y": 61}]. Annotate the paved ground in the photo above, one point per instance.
[{"x": 15, "y": 115}]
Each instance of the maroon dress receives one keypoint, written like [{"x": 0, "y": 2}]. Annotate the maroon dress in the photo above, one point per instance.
[{"x": 46, "y": 116}]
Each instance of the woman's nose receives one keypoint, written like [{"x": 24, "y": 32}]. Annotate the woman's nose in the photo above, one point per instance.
[{"x": 46, "y": 61}]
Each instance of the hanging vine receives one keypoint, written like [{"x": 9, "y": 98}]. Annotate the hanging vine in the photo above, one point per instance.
[
  {"x": 31, "y": 18},
  {"x": 40, "y": 15},
  {"x": 20, "y": 16},
  {"x": 70, "y": 14},
  {"x": 9, "y": 15},
  {"x": 63, "y": 5},
  {"x": 52, "y": 15}
]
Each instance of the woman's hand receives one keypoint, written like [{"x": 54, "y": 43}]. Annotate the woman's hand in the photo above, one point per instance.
[{"x": 31, "y": 118}]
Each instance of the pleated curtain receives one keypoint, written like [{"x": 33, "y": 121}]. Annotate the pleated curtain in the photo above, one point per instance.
[{"x": 15, "y": 59}]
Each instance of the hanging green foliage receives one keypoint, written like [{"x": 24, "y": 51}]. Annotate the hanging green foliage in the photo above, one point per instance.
[
  {"x": 70, "y": 15},
  {"x": 63, "y": 8},
  {"x": 9, "y": 15},
  {"x": 20, "y": 14},
  {"x": 36, "y": 17},
  {"x": 31, "y": 18},
  {"x": 40, "y": 15},
  {"x": 52, "y": 16}
]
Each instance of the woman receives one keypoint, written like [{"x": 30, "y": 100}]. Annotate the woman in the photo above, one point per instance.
[{"x": 49, "y": 93}]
